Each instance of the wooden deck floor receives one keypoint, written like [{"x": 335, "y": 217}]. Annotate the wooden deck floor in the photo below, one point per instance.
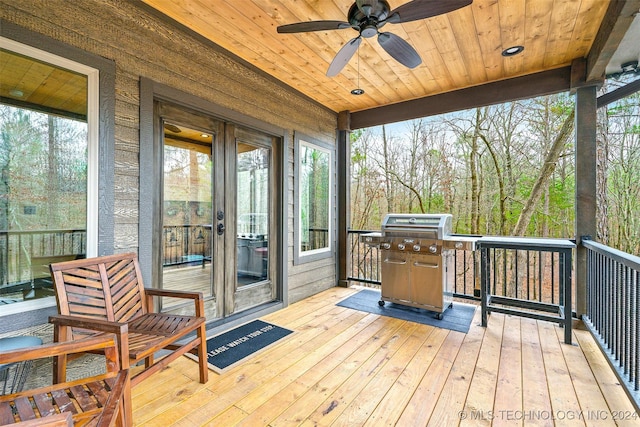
[{"x": 348, "y": 368}]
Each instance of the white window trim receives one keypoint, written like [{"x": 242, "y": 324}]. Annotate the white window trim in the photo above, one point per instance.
[
  {"x": 315, "y": 254},
  {"x": 93, "y": 88}
]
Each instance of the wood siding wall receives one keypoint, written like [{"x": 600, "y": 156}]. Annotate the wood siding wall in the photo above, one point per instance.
[{"x": 141, "y": 43}]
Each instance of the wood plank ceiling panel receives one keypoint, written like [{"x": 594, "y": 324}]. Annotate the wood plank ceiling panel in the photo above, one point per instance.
[{"x": 460, "y": 49}]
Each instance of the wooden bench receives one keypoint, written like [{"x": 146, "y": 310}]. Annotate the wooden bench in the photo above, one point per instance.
[
  {"x": 98, "y": 400},
  {"x": 107, "y": 294}
]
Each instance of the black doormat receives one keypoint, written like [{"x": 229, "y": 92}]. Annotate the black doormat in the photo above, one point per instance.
[
  {"x": 231, "y": 347},
  {"x": 457, "y": 318}
]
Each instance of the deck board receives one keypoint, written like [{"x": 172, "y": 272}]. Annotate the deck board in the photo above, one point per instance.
[
  {"x": 535, "y": 389},
  {"x": 345, "y": 367},
  {"x": 508, "y": 395}
]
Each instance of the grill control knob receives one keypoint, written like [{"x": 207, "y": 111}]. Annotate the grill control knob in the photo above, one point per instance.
[
  {"x": 416, "y": 248},
  {"x": 433, "y": 249},
  {"x": 386, "y": 246},
  {"x": 401, "y": 246}
]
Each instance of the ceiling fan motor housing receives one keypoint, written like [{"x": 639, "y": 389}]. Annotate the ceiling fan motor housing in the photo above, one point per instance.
[{"x": 367, "y": 17}]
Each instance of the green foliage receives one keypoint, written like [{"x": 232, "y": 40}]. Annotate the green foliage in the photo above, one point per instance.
[
  {"x": 43, "y": 164},
  {"x": 634, "y": 129}
]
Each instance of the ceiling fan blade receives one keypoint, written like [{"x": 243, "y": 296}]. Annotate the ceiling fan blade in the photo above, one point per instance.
[
  {"x": 421, "y": 9},
  {"x": 304, "y": 27},
  {"x": 399, "y": 49},
  {"x": 367, "y": 6},
  {"x": 343, "y": 56}
]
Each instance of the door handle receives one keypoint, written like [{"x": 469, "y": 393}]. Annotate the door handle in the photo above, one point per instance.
[
  {"x": 393, "y": 261},
  {"x": 220, "y": 229},
  {"x": 424, "y": 264}
]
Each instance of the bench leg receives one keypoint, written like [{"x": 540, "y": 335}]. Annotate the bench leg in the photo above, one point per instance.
[
  {"x": 202, "y": 354},
  {"x": 60, "y": 334}
]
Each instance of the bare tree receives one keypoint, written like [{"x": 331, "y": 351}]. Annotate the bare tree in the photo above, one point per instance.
[
  {"x": 548, "y": 166},
  {"x": 602, "y": 155}
]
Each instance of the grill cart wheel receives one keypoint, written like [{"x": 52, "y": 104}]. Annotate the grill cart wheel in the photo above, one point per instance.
[{"x": 381, "y": 303}]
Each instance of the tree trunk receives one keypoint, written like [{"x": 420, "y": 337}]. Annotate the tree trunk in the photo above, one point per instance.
[
  {"x": 387, "y": 177},
  {"x": 602, "y": 154},
  {"x": 52, "y": 187},
  {"x": 546, "y": 171},
  {"x": 473, "y": 165}
]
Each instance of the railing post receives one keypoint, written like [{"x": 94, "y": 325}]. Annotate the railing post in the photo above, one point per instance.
[
  {"x": 565, "y": 266},
  {"x": 485, "y": 270}
]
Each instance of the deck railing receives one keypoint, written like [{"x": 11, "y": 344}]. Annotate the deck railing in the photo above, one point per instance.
[
  {"x": 528, "y": 277},
  {"x": 526, "y": 274},
  {"x": 19, "y": 248},
  {"x": 186, "y": 244},
  {"x": 613, "y": 309}
]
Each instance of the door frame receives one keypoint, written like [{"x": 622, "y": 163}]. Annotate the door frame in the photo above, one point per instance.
[{"x": 150, "y": 160}]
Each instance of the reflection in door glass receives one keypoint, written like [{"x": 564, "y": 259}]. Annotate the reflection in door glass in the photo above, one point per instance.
[
  {"x": 187, "y": 211},
  {"x": 253, "y": 214}
]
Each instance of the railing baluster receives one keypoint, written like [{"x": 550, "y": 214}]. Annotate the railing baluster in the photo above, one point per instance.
[
  {"x": 626, "y": 320},
  {"x": 636, "y": 315},
  {"x": 540, "y": 295}
]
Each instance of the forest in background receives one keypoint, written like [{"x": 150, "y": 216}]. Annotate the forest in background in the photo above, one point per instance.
[{"x": 505, "y": 169}]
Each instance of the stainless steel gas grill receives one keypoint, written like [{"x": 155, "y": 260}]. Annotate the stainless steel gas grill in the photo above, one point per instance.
[{"x": 417, "y": 259}]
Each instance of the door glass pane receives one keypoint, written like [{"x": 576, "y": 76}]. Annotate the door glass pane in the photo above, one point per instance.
[
  {"x": 43, "y": 173},
  {"x": 253, "y": 214},
  {"x": 187, "y": 211}
]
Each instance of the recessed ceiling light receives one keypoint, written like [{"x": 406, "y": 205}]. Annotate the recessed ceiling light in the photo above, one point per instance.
[
  {"x": 204, "y": 135},
  {"x": 357, "y": 91},
  {"x": 17, "y": 93},
  {"x": 513, "y": 50}
]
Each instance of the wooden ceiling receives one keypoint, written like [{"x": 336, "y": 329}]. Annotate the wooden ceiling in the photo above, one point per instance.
[{"x": 460, "y": 49}]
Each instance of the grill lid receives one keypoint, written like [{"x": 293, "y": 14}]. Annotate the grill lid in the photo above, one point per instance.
[{"x": 436, "y": 226}]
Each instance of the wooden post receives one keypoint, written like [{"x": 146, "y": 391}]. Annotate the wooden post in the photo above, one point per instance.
[
  {"x": 585, "y": 154},
  {"x": 343, "y": 177}
]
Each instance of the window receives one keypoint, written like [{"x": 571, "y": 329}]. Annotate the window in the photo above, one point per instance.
[
  {"x": 313, "y": 200},
  {"x": 48, "y": 168}
]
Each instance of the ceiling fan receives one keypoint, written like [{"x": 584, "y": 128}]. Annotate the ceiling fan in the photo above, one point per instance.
[{"x": 367, "y": 17}]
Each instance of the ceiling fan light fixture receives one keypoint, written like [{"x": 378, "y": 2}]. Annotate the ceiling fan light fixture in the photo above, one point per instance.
[{"x": 513, "y": 50}]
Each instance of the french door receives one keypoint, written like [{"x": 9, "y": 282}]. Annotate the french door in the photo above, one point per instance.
[{"x": 218, "y": 201}]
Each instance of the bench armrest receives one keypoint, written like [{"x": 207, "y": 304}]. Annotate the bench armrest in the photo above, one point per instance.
[
  {"x": 173, "y": 293},
  {"x": 97, "y": 325},
  {"x": 197, "y": 297},
  {"x": 63, "y": 419},
  {"x": 94, "y": 342}
]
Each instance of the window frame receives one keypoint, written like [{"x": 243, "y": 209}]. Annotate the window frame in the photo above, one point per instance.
[
  {"x": 300, "y": 256},
  {"x": 100, "y": 74}
]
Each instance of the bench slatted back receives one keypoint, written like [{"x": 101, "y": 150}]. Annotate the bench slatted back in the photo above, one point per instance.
[{"x": 109, "y": 289}]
